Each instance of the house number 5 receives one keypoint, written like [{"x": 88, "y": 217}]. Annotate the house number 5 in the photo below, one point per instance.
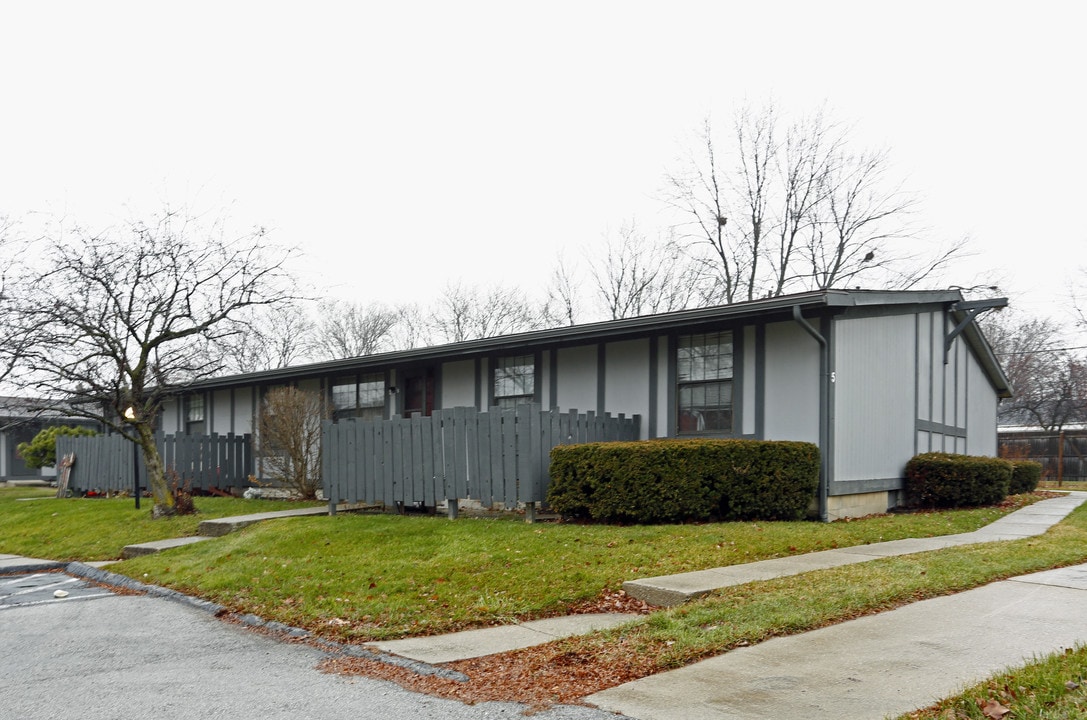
[{"x": 833, "y": 377}]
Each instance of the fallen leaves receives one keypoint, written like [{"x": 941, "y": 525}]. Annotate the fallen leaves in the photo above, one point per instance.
[{"x": 994, "y": 710}]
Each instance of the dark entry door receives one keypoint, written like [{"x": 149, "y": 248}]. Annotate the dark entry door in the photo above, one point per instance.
[{"x": 418, "y": 392}]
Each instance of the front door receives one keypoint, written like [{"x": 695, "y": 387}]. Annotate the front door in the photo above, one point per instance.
[{"x": 418, "y": 392}]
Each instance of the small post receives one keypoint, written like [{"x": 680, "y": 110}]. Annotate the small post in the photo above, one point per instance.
[
  {"x": 451, "y": 508},
  {"x": 1060, "y": 458},
  {"x": 530, "y": 512},
  {"x": 130, "y": 415},
  {"x": 331, "y": 506},
  {"x": 136, "y": 473}
]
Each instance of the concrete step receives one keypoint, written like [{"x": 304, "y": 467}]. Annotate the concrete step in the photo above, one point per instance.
[
  {"x": 227, "y": 525},
  {"x": 150, "y": 548}
]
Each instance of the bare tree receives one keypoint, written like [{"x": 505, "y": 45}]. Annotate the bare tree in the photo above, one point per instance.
[
  {"x": 267, "y": 338},
  {"x": 1049, "y": 381},
  {"x": 411, "y": 330},
  {"x": 14, "y": 343},
  {"x": 563, "y": 305},
  {"x": 289, "y": 437},
  {"x": 347, "y": 329},
  {"x": 795, "y": 209},
  {"x": 123, "y": 318},
  {"x": 697, "y": 191},
  {"x": 466, "y": 313},
  {"x": 637, "y": 277}
]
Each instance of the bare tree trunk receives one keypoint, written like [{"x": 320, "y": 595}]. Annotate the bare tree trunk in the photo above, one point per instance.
[{"x": 156, "y": 474}]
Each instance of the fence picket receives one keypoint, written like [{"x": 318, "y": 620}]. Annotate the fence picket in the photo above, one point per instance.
[
  {"x": 496, "y": 456},
  {"x": 105, "y": 462}
]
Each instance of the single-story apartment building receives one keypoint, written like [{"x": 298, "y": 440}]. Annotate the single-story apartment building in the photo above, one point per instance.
[
  {"x": 20, "y": 420},
  {"x": 872, "y": 377}
]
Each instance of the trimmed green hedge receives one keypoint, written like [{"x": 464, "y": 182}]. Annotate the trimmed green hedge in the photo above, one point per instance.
[
  {"x": 658, "y": 481},
  {"x": 1026, "y": 474},
  {"x": 947, "y": 480}
]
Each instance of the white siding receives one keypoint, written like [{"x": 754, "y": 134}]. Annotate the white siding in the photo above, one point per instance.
[
  {"x": 873, "y": 397},
  {"x": 458, "y": 385},
  {"x": 577, "y": 378},
  {"x": 792, "y": 383}
]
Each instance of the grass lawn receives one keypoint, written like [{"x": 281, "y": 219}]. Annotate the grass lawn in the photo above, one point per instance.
[
  {"x": 1066, "y": 485},
  {"x": 363, "y": 577},
  {"x": 1051, "y": 687},
  {"x": 33, "y": 522}
]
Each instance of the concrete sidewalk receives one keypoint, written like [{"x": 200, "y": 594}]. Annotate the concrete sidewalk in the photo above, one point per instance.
[
  {"x": 876, "y": 666},
  {"x": 488, "y": 641},
  {"x": 671, "y": 590}
]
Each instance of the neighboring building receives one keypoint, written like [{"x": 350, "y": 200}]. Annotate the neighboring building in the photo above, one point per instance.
[
  {"x": 872, "y": 377},
  {"x": 20, "y": 420}
]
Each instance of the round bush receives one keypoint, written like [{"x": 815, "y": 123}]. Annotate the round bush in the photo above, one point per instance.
[
  {"x": 1026, "y": 474},
  {"x": 949, "y": 480}
]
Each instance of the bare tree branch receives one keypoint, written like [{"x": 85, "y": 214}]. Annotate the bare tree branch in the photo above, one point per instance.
[
  {"x": 347, "y": 329},
  {"x": 638, "y": 277},
  {"x": 1049, "y": 381},
  {"x": 799, "y": 211},
  {"x": 466, "y": 313}
]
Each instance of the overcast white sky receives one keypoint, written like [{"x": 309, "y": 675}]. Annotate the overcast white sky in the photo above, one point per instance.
[{"x": 403, "y": 145}]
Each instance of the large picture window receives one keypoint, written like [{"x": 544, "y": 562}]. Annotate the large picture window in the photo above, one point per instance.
[
  {"x": 361, "y": 397},
  {"x": 704, "y": 383},
  {"x": 514, "y": 380}
]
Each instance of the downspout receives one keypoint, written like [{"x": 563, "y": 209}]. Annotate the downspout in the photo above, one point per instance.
[{"x": 824, "y": 409}]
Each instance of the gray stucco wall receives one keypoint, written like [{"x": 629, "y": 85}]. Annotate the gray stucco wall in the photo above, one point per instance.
[
  {"x": 577, "y": 378},
  {"x": 626, "y": 388},
  {"x": 458, "y": 384}
]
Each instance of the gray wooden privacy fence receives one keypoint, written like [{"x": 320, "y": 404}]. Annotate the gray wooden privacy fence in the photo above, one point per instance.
[
  {"x": 1062, "y": 455},
  {"x": 105, "y": 463},
  {"x": 498, "y": 456}
]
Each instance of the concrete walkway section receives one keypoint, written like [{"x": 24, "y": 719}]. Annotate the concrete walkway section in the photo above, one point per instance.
[
  {"x": 876, "y": 666},
  {"x": 227, "y": 525},
  {"x": 488, "y": 641},
  {"x": 18, "y": 564},
  {"x": 672, "y": 590},
  {"x": 150, "y": 548}
]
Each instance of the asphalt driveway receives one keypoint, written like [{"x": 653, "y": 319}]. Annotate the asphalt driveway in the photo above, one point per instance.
[{"x": 95, "y": 654}]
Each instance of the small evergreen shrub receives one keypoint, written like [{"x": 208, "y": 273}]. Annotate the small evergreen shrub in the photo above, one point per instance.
[
  {"x": 948, "y": 480},
  {"x": 41, "y": 451},
  {"x": 1026, "y": 474},
  {"x": 657, "y": 481}
]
